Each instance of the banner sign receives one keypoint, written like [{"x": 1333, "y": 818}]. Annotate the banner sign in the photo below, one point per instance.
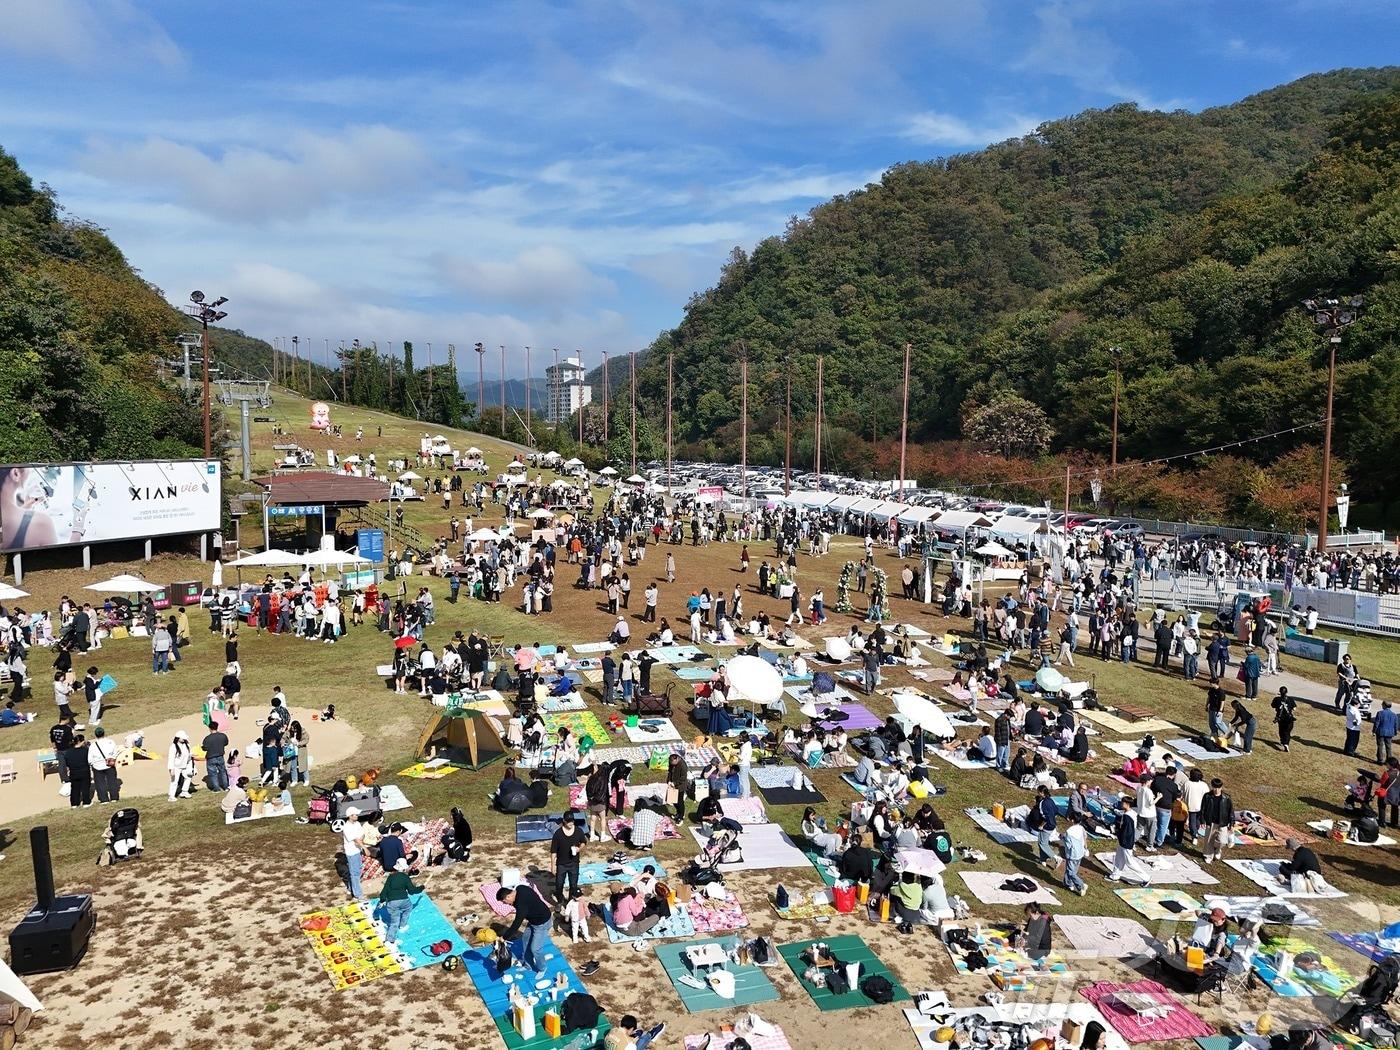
[
  {"x": 297, "y": 510},
  {"x": 709, "y": 492},
  {"x": 58, "y": 505},
  {"x": 371, "y": 544}
]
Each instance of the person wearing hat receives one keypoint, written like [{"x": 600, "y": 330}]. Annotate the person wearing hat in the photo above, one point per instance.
[
  {"x": 180, "y": 764},
  {"x": 352, "y": 837},
  {"x": 395, "y": 900},
  {"x": 1212, "y": 932}
]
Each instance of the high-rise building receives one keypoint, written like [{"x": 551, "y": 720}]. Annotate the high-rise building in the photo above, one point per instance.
[{"x": 568, "y": 389}]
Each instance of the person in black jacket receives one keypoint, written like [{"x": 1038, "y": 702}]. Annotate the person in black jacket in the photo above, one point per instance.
[
  {"x": 858, "y": 862},
  {"x": 1218, "y": 820},
  {"x": 1037, "y": 932},
  {"x": 566, "y": 847},
  {"x": 1125, "y": 830},
  {"x": 533, "y": 913},
  {"x": 79, "y": 773},
  {"x": 1303, "y": 862}
]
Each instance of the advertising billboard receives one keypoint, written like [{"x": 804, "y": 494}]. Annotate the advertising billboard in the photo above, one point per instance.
[{"x": 57, "y": 505}]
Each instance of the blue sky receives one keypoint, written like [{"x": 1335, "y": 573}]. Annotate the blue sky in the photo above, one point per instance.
[{"x": 562, "y": 174}]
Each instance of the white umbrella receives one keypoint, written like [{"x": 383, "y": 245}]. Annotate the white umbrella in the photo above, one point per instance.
[
  {"x": 919, "y": 861},
  {"x": 473, "y": 451},
  {"x": 993, "y": 549},
  {"x": 484, "y": 535},
  {"x": 267, "y": 559},
  {"x": 351, "y": 459},
  {"x": 409, "y": 475},
  {"x": 573, "y": 462},
  {"x": 838, "y": 649},
  {"x": 636, "y": 479},
  {"x": 754, "y": 679},
  {"x": 539, "y": 512},
  {"x": 608, "y": 471},
  {"x": 923, "y": 711},
  {"x": 1050, "y": 680},
  {"x": 125, "y": 583},
  {"x": 9, "y": 594}
]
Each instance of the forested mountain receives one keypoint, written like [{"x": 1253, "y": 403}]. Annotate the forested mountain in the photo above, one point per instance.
[{"x": 1176, "y": 236}]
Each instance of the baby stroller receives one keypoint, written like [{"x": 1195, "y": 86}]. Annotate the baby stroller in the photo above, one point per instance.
[
  {"x": 329, "y": 806},
  {"x": 122, "y": 838},
  {"x": 721, "y": 848}
]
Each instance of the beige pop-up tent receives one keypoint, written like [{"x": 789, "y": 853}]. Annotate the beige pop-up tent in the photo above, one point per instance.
[{"x": 464, "y": 738}]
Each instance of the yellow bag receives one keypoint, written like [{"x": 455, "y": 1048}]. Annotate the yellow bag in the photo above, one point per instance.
[
  {"x": 553, "y": 1024},
  {"x": 120, "y": 632},
  {"x": 1195, "y": 958}
]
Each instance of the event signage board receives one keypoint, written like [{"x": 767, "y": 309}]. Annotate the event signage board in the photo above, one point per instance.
[
  {"x": 296, "y": 510},
  {"x": 371, "y": 544},
  {"x": 66, "y": 504}
]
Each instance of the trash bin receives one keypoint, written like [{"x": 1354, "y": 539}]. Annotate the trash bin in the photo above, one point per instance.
[
  {"x": 1333, "y": 649},
  {"x": 186, "y": 592}
]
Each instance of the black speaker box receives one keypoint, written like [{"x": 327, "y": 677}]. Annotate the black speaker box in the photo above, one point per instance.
[{"x": 53, "y": 938}]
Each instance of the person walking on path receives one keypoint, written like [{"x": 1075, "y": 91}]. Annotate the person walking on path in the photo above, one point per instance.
[
  {"x": 1352, "y": 719},
  {"x": 1348, "y": 674},
  {"x": 1284, "y": 716},
  {"x": 102, "y": 758},
  {"x": 566, "y": 847},
  {"x": 1218, "y": 819},
  {"x": 1042, "y": 822},
  {"x": 1074, "y": 844},
  {"x": 1250, "y": 670}
]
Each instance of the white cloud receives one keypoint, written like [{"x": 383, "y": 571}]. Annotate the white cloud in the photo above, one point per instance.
[
  {"x": 945, "y": 129},
  {"x": 255, "y": 184},
  {"x": 86, "y": 34},
  {"x": 544, "y": 277},
  {"x": 803, "y": 185}
]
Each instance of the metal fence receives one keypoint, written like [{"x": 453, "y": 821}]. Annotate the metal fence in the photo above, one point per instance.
[{"x": 1362, "y": 611}]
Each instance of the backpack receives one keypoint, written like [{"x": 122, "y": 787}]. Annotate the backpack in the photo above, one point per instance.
[
  {"x": 877, "y": 988},
  {"x": 780, "y": 898},
  {"x": 760, "y": 951},
  {"x": 836, "y": 982},
  {"x": 580, "y": 1010}
]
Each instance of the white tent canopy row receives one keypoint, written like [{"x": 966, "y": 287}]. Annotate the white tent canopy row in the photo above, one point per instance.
[
  {"x": 125, "y": 584},
  {"x": 1014, "y": 529},
  {"x": 286, "y": 559}
]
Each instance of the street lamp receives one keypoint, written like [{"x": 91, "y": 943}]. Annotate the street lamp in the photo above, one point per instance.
[
  {"x": 204, "y": 313},
  {"x": 1116, "y": 352},
  {"x": 1330, "y": 315},
  {"x": 480, "y": 381}
]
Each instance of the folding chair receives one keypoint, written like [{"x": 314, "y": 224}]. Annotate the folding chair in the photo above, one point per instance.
[{"x": 7, "y": 770}]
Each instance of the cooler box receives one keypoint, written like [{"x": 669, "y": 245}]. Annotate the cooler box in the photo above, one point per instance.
[
  {"x": 161, "y": 598},
  {"x": 186, "y": 592}
]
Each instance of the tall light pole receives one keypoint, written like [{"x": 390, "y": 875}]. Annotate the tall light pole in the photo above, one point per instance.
[
  {"x": 744, "y": 416},
  {"x": 503, "y": 390},
  {"x": 1116, "y": 352},
  {"x": 296, "y": 357},
  {"x": 787, "y": 428},
  {"x": 605, "y": 400},
  {"x": 480, "y": 380},
  {"x": 528, "y": 374},
  {"x": 670, "y": 381},
  {"x": 904, "y": 421},
  {"x": 1331, "y": 316},
  {"x": 204, "y": 313},
  {"x": 817, "y": 456},
  {"x": 632, "y": 379}
]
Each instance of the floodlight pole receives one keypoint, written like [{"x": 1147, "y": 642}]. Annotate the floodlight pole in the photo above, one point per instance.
[
  {"x": 1330, "y": 316},
  {"x": 206, "y": 312},
  {"x": 744, "y": 425},
  {"x": 605, "y": 401},
  {"x": 632, "y": 377},
  {"x": 818, "y": 453},
  {"x": 904, "y": 421}
]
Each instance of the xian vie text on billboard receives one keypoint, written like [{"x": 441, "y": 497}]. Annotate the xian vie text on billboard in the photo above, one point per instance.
[{"x": 80, "y": 503}]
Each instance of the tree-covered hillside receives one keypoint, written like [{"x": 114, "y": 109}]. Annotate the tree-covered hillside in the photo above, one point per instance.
[{"x": 957, "y": 256}]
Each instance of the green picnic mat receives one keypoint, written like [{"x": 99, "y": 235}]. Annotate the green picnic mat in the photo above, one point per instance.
[
  {"x": 751, "y": 984},
  {"x": 579, "y": 723},
  {"x": 820, "y": 861},
  {"x": 847, "y": 949},
  {"x": 541, "y": 1041}
]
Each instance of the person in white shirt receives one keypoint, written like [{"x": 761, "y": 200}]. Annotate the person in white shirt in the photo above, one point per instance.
[
  {"x": 102, "y": 757},
  {"x": 1074, "y": 844},
  {"x": 576, "y": 913},
  {"x": 352, "y": 838},
  {"x": 745, "y": 765}
]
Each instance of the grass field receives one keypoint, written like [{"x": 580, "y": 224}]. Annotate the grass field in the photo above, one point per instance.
[{"x": 184, "y": 839}]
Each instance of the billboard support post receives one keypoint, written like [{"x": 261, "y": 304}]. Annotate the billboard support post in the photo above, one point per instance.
[
  {"x": 247, "y": 441},
  {"x": 87, "y": 557},
  {"x": 148, "y": 550},
  {"x": 204, "y": 546},
  {"x": 17, "y": 567}
]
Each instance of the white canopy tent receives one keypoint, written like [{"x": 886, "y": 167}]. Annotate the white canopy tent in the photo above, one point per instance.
[
  {"x": 636, "y": 479},
  {"x": 864, "y": 505},
  {"x": 810, "y": 498},
  {"x": 409, "y": 475},
  {"x": 125, "y": 584},
  {"x": 484, "y": 535},
  {"x": 992, "y": 549},
  {"x": 473, "y": 451},
  {"x": 916, "y": 515},
  {"x": 573, "y": 462},
  {"x": 1014, "y": 529},
  {"x": 845, "y": 501},
  {"x": 268, "y": 559},
  {"x": 959, "y": 521},
  {"x": 886, "y": 510},
  {"x": 609, "y": 472},
  {"x": 334, "y": 559}
]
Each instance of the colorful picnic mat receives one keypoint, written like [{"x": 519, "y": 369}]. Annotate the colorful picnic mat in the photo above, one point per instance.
[
  {"x": 1179, "y": 1022},
  {"x": 846, "y": 949},
  {"x": 1015, "y": 970},
  {"x": 751, "y": 984},
  {"x": 675, "y": 925},
  {"x": 353, "y": 952},
  {"x": 1375, "y": 945},
  {"x": 532, "y": 827},
  {"x": 711, "y": 915},
  {"x": 774, "y": 1040},
  {"x": 494, "y": 988},
  {"x": 423, "y": 771},
  {"x": 1312, "y": 973},
  {"x": 578, "y": 723},
  {"x": 1161, "y": 904},
  {"x": 428, "y": 834}
]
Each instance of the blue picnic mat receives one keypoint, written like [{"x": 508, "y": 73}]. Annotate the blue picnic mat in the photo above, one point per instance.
[
  {"x": 427, "y": 925},
  {"x": 596, "y": 872},
  {"x": 679, "y": 924},
  {"x": 494, "y": 987}
]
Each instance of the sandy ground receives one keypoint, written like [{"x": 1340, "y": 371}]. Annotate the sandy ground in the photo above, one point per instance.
[
  {"x": 170, "y": 977},
  {"x": 32, "y": 793}
]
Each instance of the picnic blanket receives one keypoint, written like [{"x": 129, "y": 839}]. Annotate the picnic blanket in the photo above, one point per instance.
[
  {"x": 1116, "y": 723},
  {"x": 578, "y": 794},
  {"x": 494, "y": 988},
  {"x": 848, "y": 949},
  {"x": 830, "y": 759},
  {"x": 693, "y": 673},
  {"x": 675, "y": 654},
  {"x": 1180, "y": 1023},
  {"x": 724, "y": 1040},
  {"x": 267, "y": 810},
  {"x": 1318, "y": 975},
  {"x": 1160, "y": 905},
  {"x": 391, "y": 798},
  {"x": 1164, "y": 869},
  {"x": 1191, "y": 749},
  {"x": 694, "y": 757},
  {"x": 986, "y": 886},
  {"x": 1015, "y": 970},
  {"x": 1002, "y": 833},
  {"x": 1262, "y": 909},
  {"x": 786, "y": 795},
  {"x": 858, "y": 717},
  {"x": 353, "y": 952},
  {"x": 775, "y": 776},
  {"x": 621, "y": 827},
  {"x": 558, "y": 704},
  {"x": 502, "y": 909},
  {"x": 712, "y": 915},
  {"x": 419, "y": 837},
  {"x": 531, "y": 827},
  {"x": 1047, "y": 1019},
  {"x": 958, "y": 759},
  {"x": 1131, "y": 748},
  {"x": 652, "y": 731},
  {"x": 429, "y": 770},
  {"x": 745, "y": 810},
  {"x": 1106, "y": 937},
  {"x": 1265, "y": 873},
  {"x": 578, "y": 723},
  {"x": 1374, "y": 945},
  {"x": 826, "y": 866},
  {"x": 1325, "y": 828},
  {"x": 764, "y": 846},
  {"x": 1282, "y": 832},
  {"x": 751, "y": 984},
  {"x": 592, "y": 647},
  {"x": 596, "y": 872},
  {"x": 678, "y": 924}
]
